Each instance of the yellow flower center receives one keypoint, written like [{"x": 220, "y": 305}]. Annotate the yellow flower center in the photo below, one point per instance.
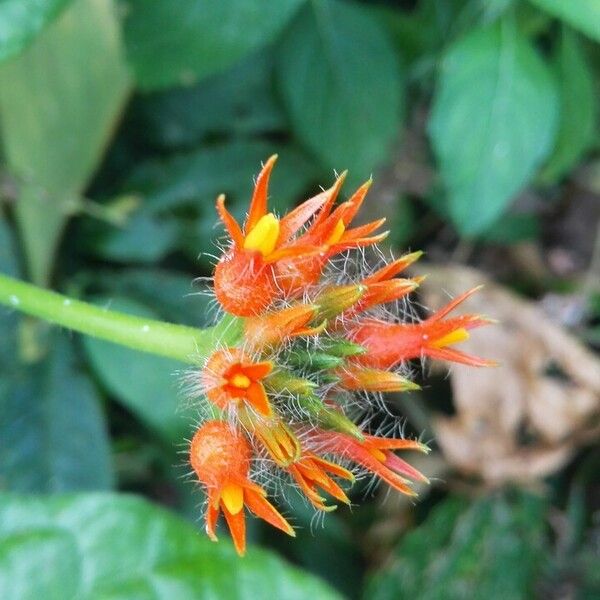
[
  {"x": 240, "y": 381},
  {"x": 264, "y": 235},
  {"x": 454, "y": 337}
]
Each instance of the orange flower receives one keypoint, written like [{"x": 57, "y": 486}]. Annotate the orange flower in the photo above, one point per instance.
[
  {"x": 382, "y": 286},
  {"x": 312, "y": 472},
  {"x": 388, "y": 344},
  {"x": 267, "y": 260},
  {"x": 229, "y": 376},
  {"x": 355, "y": 377},
  {"x": 276, "y": 327},
  {"x": 220, "y": 456},
  {"x": 375, "y": 454}
]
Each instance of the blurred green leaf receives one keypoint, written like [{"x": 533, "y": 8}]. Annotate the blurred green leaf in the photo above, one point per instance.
[
  {"x": 109, "y": 546},
  {"x": 58, "y": 104},
  {"x": 581, "y": 14},
  {"x": 579, "y": 107},
  {"x": 341, "y": 84},
  {"x": 144, "y": 238},
  {"x": 146, "y": 384},
  {"x": 494, "y": 120},
  {"x": 491, "y": 549},
  {"x": 22, "y": 20},
  {"x": 239, "y": 101},
  {"x": 53, "y": 436},
  {"x": 197, "y": 178},
  {"x": 179, "y": 43},
  {"x": 510, "y": 229}
]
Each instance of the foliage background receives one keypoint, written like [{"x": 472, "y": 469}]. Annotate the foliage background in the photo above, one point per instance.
[{"x": 120, "y": 122}]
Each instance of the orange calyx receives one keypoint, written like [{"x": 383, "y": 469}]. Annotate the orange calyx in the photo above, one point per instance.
[
  {"x": 229, "y": 377},
  {"x": 312, "y": 472},
  {"x": 220, "y": 457}
]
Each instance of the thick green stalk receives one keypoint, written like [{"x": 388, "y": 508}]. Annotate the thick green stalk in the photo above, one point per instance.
[{"x": 186, "y": 344}]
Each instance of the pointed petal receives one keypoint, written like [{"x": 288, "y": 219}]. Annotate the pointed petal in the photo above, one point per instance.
[
  {"x": 363, "y": 230},
  {"x": 263, "y": 509},
  {"x": 212, "y": 514},
  {"x": 453, "y": 304},
  {"x": 294, "y": 220},
  {"x": 332, "y": 192},
  {"x": 258, "y": 205},
  {"x": 355, "y": 201},
  {"x": 391, "y": 270},
  {"x": 333, "y": 468},
  {"x": 230, "y": 223},
  {"x": 453, "y": 355},
  {"x": 237, "y": 527},
  {"x": 403, "y": 468},
  {"x": 257, "y": 371},
  {"x": 257, "y": 398},
  {"x": 361, "y": 242}
]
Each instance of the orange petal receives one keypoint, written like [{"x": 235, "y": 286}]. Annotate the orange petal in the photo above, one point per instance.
[
  {"x": 258, "y": 205},
  {"x": 333, "y": 192},
  {"x": 212, "y": 514},
  {"x": 363, "y": 230},
  {"x": 453, "y": 355},
  {"x": 263, "y": 509},
  {"x": 230, "y": 223},
  {"x": 300, "y": 215},
  {"x": 237, "y": 527},
  {"x": 257, "y": 371},
  {"x": 292, "y": 251},
  {"x": 360, "y": 242},
  {"x": 386, "y": 291},
  {"x": 395, "y": 267},
  {"x": 453, "y": 304},
  {"x": 257, "y": 398}
]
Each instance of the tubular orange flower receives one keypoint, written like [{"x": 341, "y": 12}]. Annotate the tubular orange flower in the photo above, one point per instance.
[
  {"x": 375, "y": 454},
  {"x": 355, "y": 377},
  {"x": 266, "y": 260},
  {"x": 312, "y": 472},
  {"x": 388, "y": 344},
  {"x": 229, "y": 376},
  {"x": 220, "y": 456},
  {"x": 276, "y": 327}
]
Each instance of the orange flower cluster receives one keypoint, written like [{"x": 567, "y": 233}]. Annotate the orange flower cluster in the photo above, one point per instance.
[{"x": 315, "y": 349}]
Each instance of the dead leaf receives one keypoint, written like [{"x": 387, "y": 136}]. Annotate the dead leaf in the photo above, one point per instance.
[{"x": 527, "y": 417}]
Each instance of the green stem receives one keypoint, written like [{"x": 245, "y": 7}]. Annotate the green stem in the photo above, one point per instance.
[{"x": 187, "y": 344}]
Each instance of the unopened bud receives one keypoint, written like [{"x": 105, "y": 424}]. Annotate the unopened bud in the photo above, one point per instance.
[{"x": 334, "y": 300}]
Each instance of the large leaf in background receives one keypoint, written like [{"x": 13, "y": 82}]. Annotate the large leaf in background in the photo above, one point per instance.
[
  {"x": 581, "y": 14},
  {"x": 52, "y": 430},
  {"x": 53, "y": 436},
  {"x": 494, "y": 120},
  {"x": 22, "y": 20},
  {"x": 239, "y": 101},
  {"x": 344, "y": 103},
  {"x": 59, "y": 101},
  {"x": 576, "y": 87},
  {"x": 145, "y": 383},
  {"x": 103, "y": 546},
  {"x": 177, "y": 43},
  {"x": 491, "y": 549}
]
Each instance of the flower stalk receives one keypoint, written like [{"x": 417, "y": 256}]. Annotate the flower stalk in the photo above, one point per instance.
[{"x": 186, "y": 344}]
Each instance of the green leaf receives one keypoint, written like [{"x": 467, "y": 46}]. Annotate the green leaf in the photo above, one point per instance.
[
  {"x": 581, "y": 14},
  {"x": 22, "y": 20},
  {"x": 579, "y": 109},
  {"x": 494, "y": 120},
  {"x": 239, "y": 101},
  {"x": 59, "y": 101},
  {"x": 491, "y": 549},
  {"x": 146, "y": 384},
  {"x": 341, "y": 84},
  {"x": 179, "y": 43},
  {"x": 109, "y": 546},
  {"x": 53, "y": 436}
]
